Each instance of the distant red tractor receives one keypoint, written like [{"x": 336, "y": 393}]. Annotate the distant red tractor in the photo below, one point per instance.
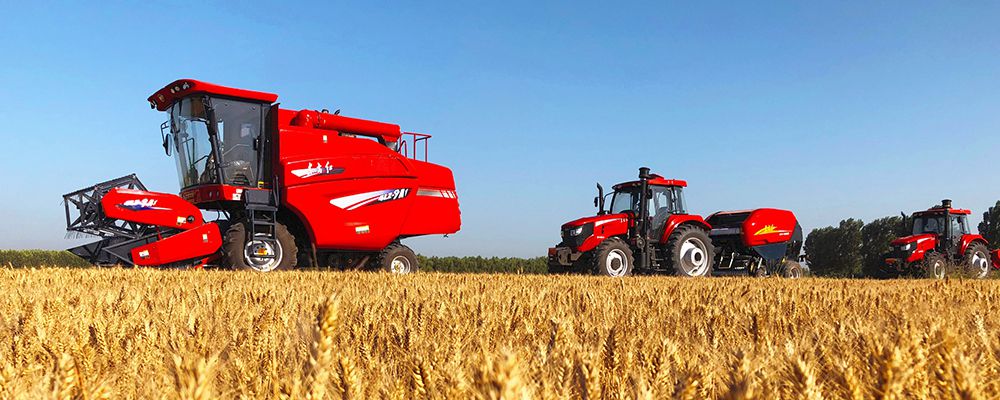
[
  {"x": 291, "y": 188},
  {"x": 648, "y": 230},
  {"x": 940, "y": 239}
]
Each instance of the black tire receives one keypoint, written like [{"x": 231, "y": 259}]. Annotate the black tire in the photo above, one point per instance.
[
  {"x": 690, "y": 252},
  {"x": 236, "y": 250},
  {"x": 398, "y": 259},
  {"x": 934, "y": 266},
  {"x": 977, "y": 260},
  {"x": 792, "y": 270},
  {"x": 612, "y": 258}
]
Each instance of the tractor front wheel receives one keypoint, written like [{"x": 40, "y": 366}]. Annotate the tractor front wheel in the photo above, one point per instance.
[
  {"x": 690, "y": 251},
  {"x": 397, "y": 259},
  {"x": 977, "y": 260},
  {"x": 258, "y": 253},
  {"x": 935, "y": 266},
  {"x": 612, "y": 258}
]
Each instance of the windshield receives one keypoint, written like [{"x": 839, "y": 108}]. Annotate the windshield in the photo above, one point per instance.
[
  {"x": 665, "y": 200},
  {"x": 928, "y": 224},
  {"x": 238, "y": 125}
]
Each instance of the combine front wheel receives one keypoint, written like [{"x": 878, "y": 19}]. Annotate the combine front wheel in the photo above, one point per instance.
[
  {"x": 977, "y": 260},
  {"x": 259, "y": 253},
  {"x": 791, "y": 269},
  {"x": 690, "y": 251}
]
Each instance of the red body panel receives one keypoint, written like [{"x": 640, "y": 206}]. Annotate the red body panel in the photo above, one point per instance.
[
  {"x": 357, "y": 194},
  {"x": 605, "y": 226},
  {"x": 678, "y": 219},
  {"x": 190, "y": 244},
  {"x": 151, "y": 208},
  {"x": 768, "y": 225},
  {"x": 925, "y": 242},
  {"x": 656, "y": 180},
  {"x": 996, "y": 259},
  {"x": 212, "y": 193}
]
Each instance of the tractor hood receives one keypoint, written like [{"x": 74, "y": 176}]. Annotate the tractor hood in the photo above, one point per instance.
[
  {"x": 596, "y": 220},
  {"x": 914, "y": 239}
]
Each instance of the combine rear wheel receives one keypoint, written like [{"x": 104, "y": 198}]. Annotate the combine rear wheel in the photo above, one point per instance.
[
  {"x": 398, "y": 259},
  {"x": 612, "y": 258},
  {"x": 934, "y": 266},
  {"x": 977, "y": 260},
  {"x": 258, "y": 253},
  {"x": 791, "y": 269},
  {"x": 690, "y": 251}
]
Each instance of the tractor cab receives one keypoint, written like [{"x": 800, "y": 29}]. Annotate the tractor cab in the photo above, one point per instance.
[
  {"x": 665, "y": 197},
  {"x": 947, "y": 225}
]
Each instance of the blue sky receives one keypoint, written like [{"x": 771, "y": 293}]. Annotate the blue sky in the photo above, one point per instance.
[{"x": 832, "y": 110}]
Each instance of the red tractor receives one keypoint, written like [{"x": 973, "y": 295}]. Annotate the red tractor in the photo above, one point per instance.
[
  {"x": 940, "y": 239},
  {"x": 647, "y": 229},
  {"x": 290, "y": 188}
]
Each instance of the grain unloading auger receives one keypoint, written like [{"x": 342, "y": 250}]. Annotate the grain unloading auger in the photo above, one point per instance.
[{"x": 293, "y": 188}]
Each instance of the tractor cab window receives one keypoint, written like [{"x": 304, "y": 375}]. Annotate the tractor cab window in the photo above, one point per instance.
[
  {"x": 928, "y": 224},
  {"x": 959, "y": 225},
  {"x": 665, "y": 200},
  {"x": 625, "y": 200},
  {"x": 237, "y": 123}
]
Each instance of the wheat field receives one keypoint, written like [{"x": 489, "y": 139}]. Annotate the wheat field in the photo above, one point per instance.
[{"x": 91, "y": 334}]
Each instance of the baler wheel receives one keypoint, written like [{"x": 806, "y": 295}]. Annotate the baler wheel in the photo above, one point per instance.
[
  {"x": 977, "y": 260},
  {"x": 398, "y": 259},
  {"x": 612, "y": 258},
  {"x": 791, "y": 269},
  {"x": 237, "y": 253},
  {"x": 690, "y": 252},
  {"x": 934, "y": 266}
]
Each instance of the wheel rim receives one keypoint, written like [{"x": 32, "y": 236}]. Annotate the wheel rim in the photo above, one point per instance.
[
  {"x": 262, "y": 255},
  {"x": 794, "y": 273},
  {"x": 694, "y": 257},
  {"x": 980, "y": 264},
  {"x": 617, "y": 263},
  {"x": 937, "y": 270},
  {"x": 399, "y": 265}
]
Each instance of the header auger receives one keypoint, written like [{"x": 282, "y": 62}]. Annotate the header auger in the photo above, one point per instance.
[{"x": 293, "y": 188}]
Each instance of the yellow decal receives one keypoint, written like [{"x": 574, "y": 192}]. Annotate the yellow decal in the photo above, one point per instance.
[{"x": 766, "y": 229}]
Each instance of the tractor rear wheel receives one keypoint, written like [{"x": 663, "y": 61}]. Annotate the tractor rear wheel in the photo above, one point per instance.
[
  {"x": 791, "y": 269},
  {"x": 690, "y": 251},
  {"x": 612, "y": 258},
  {"x": 397, "y": 259},
  {"x": 977, "y": 260},
  {"x": 934, "y": 266},
  {"x": 258, "y": 253}
]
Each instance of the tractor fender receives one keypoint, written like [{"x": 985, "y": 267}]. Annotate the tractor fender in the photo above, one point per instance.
[
  {"x": 996, "y": 259},
  {"x": 968, "y": 240},
  {"x": 683, "y": 219}
]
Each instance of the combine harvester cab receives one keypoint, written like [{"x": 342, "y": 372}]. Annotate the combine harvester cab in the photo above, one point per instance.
[
  {"x": 761, "y": 242},
  {"x": 295, "y": 186}
]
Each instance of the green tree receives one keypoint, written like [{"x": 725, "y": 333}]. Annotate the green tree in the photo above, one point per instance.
[
  {"x": 990, "y": 227},
  {"x": 875, "y": 239},
  {"x": 835, "y": 251}
]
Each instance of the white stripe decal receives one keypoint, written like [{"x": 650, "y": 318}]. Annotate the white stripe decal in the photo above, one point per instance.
[
  {"x": 354, "y": 201},
  {"x": 448, "y": 194}
]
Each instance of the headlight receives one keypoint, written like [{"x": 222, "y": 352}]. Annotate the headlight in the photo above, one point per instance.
[
  {"x": 908, "y": 246},
  {"x": 576, "y": 231}
]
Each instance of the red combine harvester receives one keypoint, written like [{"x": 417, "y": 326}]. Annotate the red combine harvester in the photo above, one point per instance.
[
  {"x": 292, "y": 187},
  {"x": 940, "y": 238},
  {"x": 648, "y": 230}
]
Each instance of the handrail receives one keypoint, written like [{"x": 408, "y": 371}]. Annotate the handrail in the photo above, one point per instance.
[{"x": 404, "y": 148}]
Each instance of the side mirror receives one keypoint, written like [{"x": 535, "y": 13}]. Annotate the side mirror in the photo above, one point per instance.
[{"x": 166, "y": 144}]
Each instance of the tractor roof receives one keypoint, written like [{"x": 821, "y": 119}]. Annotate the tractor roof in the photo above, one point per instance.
[
  {"x": 656, "y": 180},
  {"x": 936, "y": 210},
  {"x": 164, "y": 98}
]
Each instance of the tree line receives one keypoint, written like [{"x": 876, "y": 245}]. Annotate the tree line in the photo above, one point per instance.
[{"x": 856, "y": 249}]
